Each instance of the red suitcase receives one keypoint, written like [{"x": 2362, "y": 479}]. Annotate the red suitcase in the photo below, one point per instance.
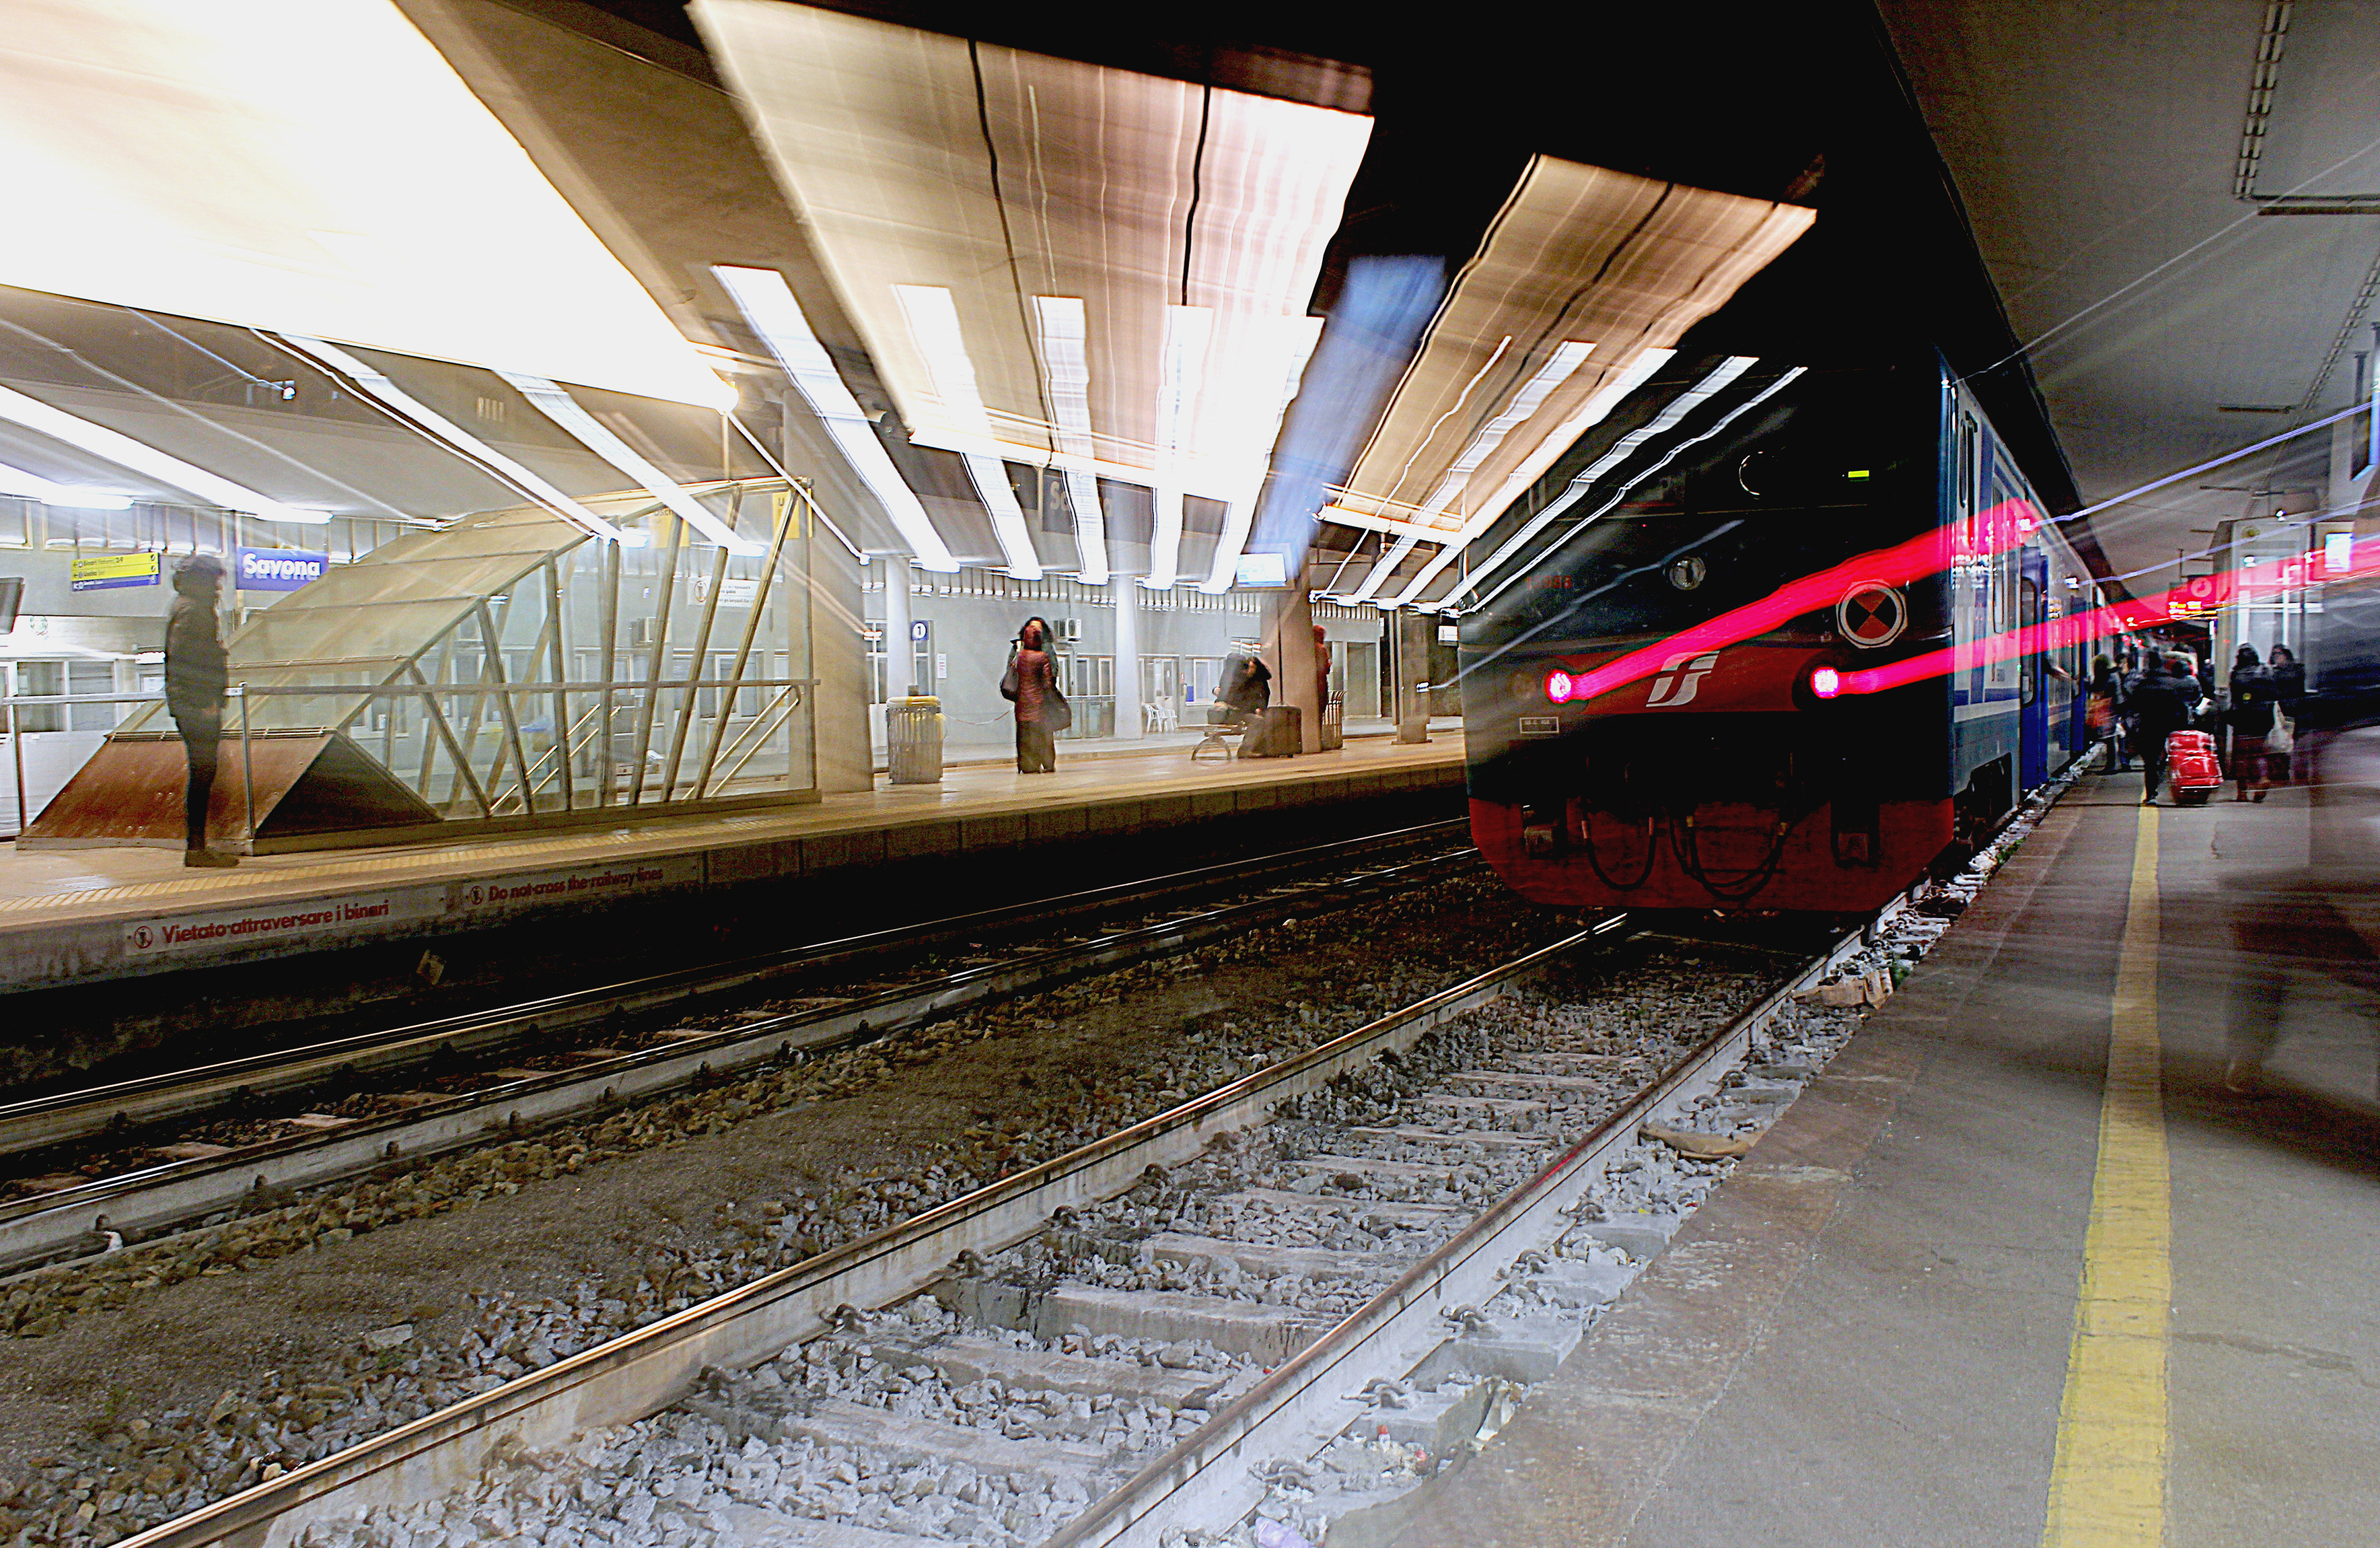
[{"x": 2191, "y": 766}]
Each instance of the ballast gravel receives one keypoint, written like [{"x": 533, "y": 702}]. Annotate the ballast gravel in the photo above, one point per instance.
[{"x": 272, "y": 1335}]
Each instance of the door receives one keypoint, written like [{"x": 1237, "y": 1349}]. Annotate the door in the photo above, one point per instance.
[{"x": 2033, "y": 697}]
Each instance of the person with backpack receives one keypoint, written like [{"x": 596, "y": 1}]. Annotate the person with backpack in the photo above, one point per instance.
[
  {"x": 2249, "y": 717},
  {"x": 2159, "y": 700}
]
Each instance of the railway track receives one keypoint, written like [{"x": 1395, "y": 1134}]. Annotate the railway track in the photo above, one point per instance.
[
  {"x": 1270, "y": 1307},
  {"x": 149, "y": 1155},
  {"x": 1014, "y": 1302}
]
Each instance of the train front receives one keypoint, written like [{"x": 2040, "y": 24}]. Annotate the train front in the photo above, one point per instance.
[{"x": 1656, "y": 712}]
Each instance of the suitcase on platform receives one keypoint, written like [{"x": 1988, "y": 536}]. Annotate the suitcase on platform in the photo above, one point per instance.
[{"x": 2191, "y": 767}]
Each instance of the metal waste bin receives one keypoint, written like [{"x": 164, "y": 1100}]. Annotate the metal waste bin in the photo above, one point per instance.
[{"x": 912, "y": 736}]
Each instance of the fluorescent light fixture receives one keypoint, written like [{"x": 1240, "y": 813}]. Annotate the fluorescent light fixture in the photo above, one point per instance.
[
  {"x": 439, "y": 428},
  {"x": 1130, "y": 196},
  {"x": 584, "y": 428},
  {"x": 1559, "y": 367},
  {"x": 1181, "y": 365},
  {"x": 1578, "y": 487},
  {"x": 768, "y": 306},
  {"x": 142, "y": 457},
  {"x": 1062, "y": 336},
  {"x": 934, "y": 328},
  {"x": 33, "y": 486},
  {"x": 1595, "y": 411},
  {"x": 1566, "y": 359},
  {"x": 1280, "y": 352},
  {"x": 312, "y": 167}
]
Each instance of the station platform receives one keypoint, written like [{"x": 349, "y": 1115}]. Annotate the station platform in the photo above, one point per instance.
[
  {"x": 89, "y": 916},
  {"x": 2021, "y": 1267}
]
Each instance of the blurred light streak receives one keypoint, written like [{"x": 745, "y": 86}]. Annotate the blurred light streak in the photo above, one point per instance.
[
  {"x": 139, "y": 457},
  {"x": 1062, "y": 337},
  {"x": 767, "y": 304},
  {"x": 1285, "y": 346},
  {"x": 33, "y": 486},
  {"x": 1383, "y": 307},
  {"x": 313, "y": 166},
  {"x": 934, "y": 328},
  {"x": 1595, "y": 411},
  {"x": 2289, "y": 576},
  {"x": 548, "y": 398},
  {"x": 1180, "y": 370},
  {"x": 376, "y": 387},
  {"x": 2155, "y": 485},
  {"x": 1622, "y": 450}
]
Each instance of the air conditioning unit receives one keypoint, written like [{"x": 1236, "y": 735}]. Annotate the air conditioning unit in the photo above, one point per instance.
[
  {"x": 641, "y": 634},
  {"x": 1069, "y": 629}
]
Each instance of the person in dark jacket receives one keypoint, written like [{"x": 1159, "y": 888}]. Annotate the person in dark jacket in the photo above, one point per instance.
[
  {"x": 2106, "y": 711},
  {"x": 2289, "y": 695},
  {"x": 2250, "y": 719},
  {"x": 1032, "y": 686},
  {"x": 2159, "y": 700},
  {"x": 197, "y": 671}
]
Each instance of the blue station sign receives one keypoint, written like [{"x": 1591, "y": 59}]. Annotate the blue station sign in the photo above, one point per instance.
[{"x": 277, "y": 569}]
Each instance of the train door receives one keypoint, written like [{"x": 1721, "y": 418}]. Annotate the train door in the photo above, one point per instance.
[{"x": 2033, "y": 689}]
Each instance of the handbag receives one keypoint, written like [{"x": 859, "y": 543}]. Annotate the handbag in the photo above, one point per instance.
[
  {"x": 1008, "y": 684},
  {"x": 1056, "y": 714},
  {"x": 2280, "y": 740}
]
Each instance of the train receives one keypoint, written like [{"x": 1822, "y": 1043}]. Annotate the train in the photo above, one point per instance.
[{"x": 1785, "y": 644}]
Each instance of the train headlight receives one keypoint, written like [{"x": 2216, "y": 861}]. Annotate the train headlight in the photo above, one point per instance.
[
  {"x": 1557, "y": 686},
  {"x": 1825, "y": 682}
]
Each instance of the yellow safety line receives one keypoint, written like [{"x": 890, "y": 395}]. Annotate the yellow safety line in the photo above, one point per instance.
[{"x": 2107, "y": 1488}]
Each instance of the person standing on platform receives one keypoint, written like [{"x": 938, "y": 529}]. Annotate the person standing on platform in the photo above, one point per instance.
[
  {"x": 2158, "y": 700},
  {"x": 2289, "y": 694},
  {"x": 198, "y": 669},
  {"x": 2250, "y": 719},
  {"x": 2105, "y": 712},
  {"x": 1031, "y": 685}
]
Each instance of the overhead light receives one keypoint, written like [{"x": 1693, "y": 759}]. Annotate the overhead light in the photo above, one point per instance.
[
  {"x": 33, "y": 486},
  {"x": 886, "y": 193},
  {"x": 315, "y": 166},
  {"x": 1182, "y": 364},
  {"x": 934, "y": 328},
  {"x": 583, "y": 427},
  {"x": 1063, "y": 338},
  {"x": 1578, "y": 487},
  {"x": 1622, "y": 450},
  {"x": 768, "y": 306},
  {"x": 142, "y": 457},
  {"x": 1559, "y": 367},
  {"x": 376, "y": 387}
]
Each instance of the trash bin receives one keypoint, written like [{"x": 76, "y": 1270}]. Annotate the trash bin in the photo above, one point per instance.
[{"x": 912, "y": 736}]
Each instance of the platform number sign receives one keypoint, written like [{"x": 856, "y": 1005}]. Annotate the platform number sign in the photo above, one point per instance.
[{"x": 1871, "y": 614}]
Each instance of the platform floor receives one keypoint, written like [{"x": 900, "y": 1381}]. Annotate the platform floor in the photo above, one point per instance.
[
  {"x": 66, "y": 915},
  {"x": 1870, "y": 1334}
]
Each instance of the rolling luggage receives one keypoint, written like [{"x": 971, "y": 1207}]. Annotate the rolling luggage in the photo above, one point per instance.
[{"x": 2191, "y": 767}]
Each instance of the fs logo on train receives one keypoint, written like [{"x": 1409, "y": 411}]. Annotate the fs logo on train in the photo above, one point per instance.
[{"x": 1871, "y": 614}]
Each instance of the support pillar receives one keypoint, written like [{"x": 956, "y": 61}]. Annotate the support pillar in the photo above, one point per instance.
[
  {"x": 1130, "y": 719},
  {"x": 899, "y": 655},
  {"x": 1411, "y": 636},
  {"x": 838, "y": 655},
  {"x": 1288, "y": 648}
]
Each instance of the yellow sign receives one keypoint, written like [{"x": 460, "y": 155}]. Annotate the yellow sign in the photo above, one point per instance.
[{"x": 99, "y": 572}]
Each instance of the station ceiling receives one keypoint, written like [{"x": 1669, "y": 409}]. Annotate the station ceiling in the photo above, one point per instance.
[{"x": 2179, "y": 206}]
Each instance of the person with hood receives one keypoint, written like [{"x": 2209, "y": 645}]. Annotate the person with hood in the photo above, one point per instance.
[
  {"x": 198, "y": 670},
  {"x": 2159, "y": 700},
  {"x": 2249, "y": 717},
  {"x": 2288, "y": 698},
  {"x": 1031, "y": 685}
]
